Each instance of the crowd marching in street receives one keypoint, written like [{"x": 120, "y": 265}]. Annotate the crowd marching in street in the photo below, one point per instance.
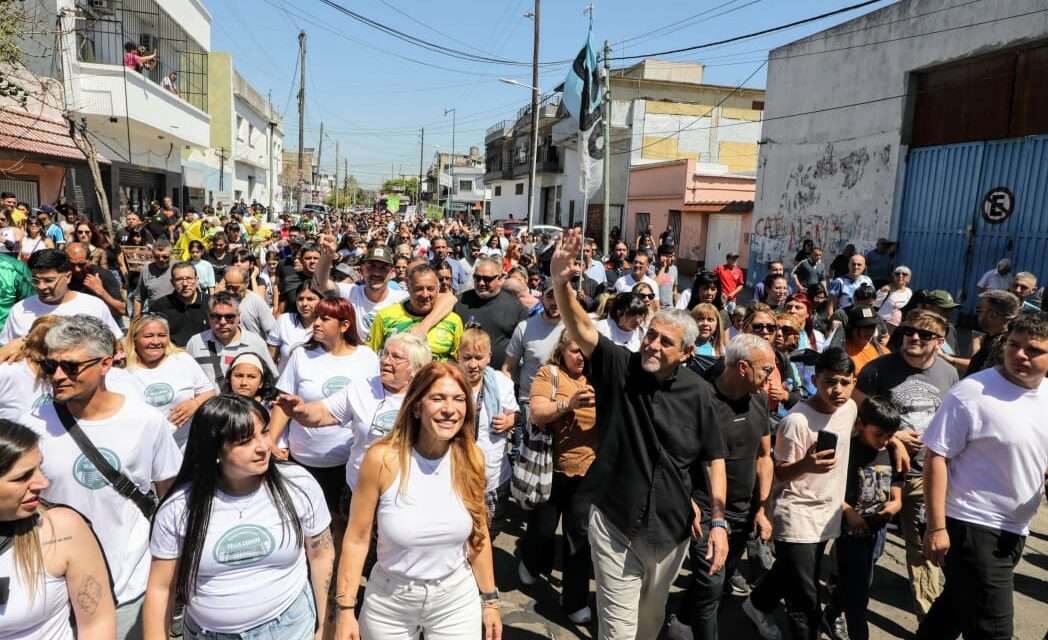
[{"x": 218, "y": 426}]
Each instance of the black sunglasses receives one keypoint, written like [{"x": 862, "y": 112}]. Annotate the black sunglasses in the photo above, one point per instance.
[
  {"x": 759, "y": 327},
  {"x": 787, "y": 330},
  {"x": 68, "y": 367},
  {"x": 485, "y": 279},
  {"x": 647, "y": 296},
  {"x": 923, "y": 334},
  {"x": 228, "y": 317}
]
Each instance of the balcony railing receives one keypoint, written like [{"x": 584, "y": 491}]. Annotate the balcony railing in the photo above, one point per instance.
[
  {"x": 103, "y": 31},
  {"x": 547, "y": 106},
  {"x": 500, "y": 128}
]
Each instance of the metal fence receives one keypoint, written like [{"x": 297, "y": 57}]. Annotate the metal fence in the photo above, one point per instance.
[{"x": 105, "y": 27}]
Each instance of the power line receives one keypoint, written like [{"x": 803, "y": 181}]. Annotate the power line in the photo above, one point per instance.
[
  {"x": 686, "y": 22},
  {"x": 747, "y": 36}
]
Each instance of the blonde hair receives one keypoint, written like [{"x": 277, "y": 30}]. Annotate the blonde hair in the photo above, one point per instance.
[
  {"x": 720, "y": 336},
  {"x": 475, "y": 337},
  {"x": 468, "y": 477},
  {"x": 137, "y": 326}
]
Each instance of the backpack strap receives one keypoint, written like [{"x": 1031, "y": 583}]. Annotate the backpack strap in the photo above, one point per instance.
[{"x": 123, "y": 485}]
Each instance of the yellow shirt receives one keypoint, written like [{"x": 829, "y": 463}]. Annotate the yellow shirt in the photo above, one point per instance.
[{"x": 443, "y": 338}]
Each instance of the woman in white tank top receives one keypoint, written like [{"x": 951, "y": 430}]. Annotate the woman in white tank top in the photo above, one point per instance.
[
  {"x": 49, "y": 554},
  {"x": 424, "y": 482}
]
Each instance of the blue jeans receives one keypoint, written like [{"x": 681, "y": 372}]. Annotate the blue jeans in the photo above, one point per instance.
[
  {"x": 856, "y": 558},
  {"x": 297, "y": 622}
]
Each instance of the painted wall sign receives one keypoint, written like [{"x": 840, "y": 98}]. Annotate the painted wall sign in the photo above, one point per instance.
[{"x": 997, "y": 205}]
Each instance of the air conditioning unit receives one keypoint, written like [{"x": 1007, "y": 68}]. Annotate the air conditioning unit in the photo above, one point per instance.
[{"x": 100, "y": 7}]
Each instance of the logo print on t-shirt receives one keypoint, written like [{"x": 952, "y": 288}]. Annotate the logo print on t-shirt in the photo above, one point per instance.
[
  {"x": 243, "y": 545},
  {"x": 331, "y": 385},
  {"x": 383, "y": 423},
  {"x": 86, "y": 473},
  {"x": 43, "y": 399},
  {"x": 159, "y": 393}
]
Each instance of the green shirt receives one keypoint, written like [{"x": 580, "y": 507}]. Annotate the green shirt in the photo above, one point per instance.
[
  {"x": 15, "y": 284},
  {"x": 443, "y": 338}
]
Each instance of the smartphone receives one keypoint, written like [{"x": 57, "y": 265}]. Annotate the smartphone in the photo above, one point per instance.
[{"x": 827, "y": 441}]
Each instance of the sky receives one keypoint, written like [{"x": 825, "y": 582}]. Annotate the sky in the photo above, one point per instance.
[{"x": 373, "y": 92}]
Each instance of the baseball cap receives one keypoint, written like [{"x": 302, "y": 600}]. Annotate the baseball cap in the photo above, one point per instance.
[
  {"x": 666, "y": 249},
  {"x": 861, "y": 317},
  {"x": 733, "y": 254},
  {"x": 940, "y": 298},
  {"x": 378, "y": 253},
  {"x": 345, "y": 270}
]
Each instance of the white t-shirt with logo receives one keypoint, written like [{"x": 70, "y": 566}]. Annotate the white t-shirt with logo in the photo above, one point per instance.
[
  {"x": 995, "y": 437},
  {"x": 364, "y": 308},
  {"x": 22, "y": 393},
  {"x": 496, "y": 464},
  {"x": 314, "y": 374},
  {"x": 177, "y": 379},
  {"x": 25, "y": 312},
  {"x": 137, "y": 441},
  {"x": 368, "y": 411},
  {"x": 250, "y": 569},
  {"x": 287, "y": 334}
]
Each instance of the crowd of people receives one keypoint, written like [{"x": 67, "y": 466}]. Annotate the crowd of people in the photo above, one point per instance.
[{"x": 218, "y": 427}]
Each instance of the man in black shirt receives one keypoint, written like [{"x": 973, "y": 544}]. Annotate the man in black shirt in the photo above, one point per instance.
[
  {"x": 658, "y": 428},
  {"x": 89, "y": 279},
  {"x": 996, "y": 309},
  {"x": 742, "y": 416},
  {"x": 498, "y": 312},
  {"x": 186, "y": 309}
]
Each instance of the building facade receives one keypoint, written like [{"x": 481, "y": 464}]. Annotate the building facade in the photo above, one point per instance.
[
  {"x": 455, "y": 183},
  {"x": 922, "y": 122}
]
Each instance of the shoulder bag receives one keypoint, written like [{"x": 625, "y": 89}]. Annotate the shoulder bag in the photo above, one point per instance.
[{"x": 533, "y": 470}]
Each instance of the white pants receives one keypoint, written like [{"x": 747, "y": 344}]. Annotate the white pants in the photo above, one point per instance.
[
  {"x": 633, "y": 581},
  {"x": 397, "y": 608}
]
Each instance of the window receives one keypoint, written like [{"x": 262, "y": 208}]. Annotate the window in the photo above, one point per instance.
[
  {"x": 498, "y": 191},
  {"x": 519, "y": 189},
  {"x": 240, "y": 122},
  {"x": 571, "y": 213},
  {"x": 250, "y": 135},
  {"x": 674, "y": 226},
  {"x": 465, "y": 185},
  {"x": 643, "y": 222}
]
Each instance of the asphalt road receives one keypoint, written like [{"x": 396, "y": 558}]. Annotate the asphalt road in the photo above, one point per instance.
[{"x": 530, "y": 613}]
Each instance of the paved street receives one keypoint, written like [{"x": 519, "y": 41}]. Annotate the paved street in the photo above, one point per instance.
[{"x": 532, "y": 613}]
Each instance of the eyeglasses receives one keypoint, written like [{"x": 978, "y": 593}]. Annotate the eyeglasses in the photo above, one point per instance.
[
  {"x": 759, "y": 327},
  {"x": 901, "y": 273},
  {"x": 788, "y": 331},
  {"x": 923, "y": 334},
  {"x": 486, "y": 279},
  {"x": 68, "y": 367},
  {"x": 647, "y": 296},
  {"x": 83, "y": 232},
  {"x": 226, "y": 317}
]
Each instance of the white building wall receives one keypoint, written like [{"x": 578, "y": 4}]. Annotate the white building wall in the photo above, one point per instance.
[
  {"x": 508, "y": 203},
  {"x": 834, "y": 174}
]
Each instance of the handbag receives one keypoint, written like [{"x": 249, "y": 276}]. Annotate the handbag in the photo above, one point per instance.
[
  {"x": 532, "y": 479},
  {"x": 146, "y": 502}
]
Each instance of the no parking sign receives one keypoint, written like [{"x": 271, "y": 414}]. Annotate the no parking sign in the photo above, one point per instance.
[{"x": 997, "y": 205}]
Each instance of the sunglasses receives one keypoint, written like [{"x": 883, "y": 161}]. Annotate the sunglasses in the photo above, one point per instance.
[
  {"x": 647, "y": 296},
  {"x": 923, "y": 334},
  {"x": 68, "y": 367},
  {"x": 788, "y": 331},
  {"x": 485, "y": 279},
  {"x": 759, "y": 327},
  {"x": 228, "y": 317}
]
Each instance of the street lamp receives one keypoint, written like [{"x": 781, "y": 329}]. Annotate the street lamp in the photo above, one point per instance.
[
  {"x": 533, "y": 156},
  {"x": 517, "y": 83},
  {"x": 451, "y": 167}
]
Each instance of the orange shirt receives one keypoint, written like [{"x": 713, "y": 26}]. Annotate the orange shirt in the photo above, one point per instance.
[
  {"x": 864, "y": 356},
  {"x": 575, "y": 435}
]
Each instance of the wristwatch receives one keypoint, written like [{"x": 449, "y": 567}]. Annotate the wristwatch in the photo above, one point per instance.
[
  {"x": 489, "y": 596},
  {"x": 720, "y": 523}
]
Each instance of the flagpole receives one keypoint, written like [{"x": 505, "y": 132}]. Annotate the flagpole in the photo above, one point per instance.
[
  {"x": 585, "y": 213},
  {"x": 607, "y": 151}
]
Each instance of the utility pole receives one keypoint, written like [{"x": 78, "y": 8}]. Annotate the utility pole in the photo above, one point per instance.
[
  {"x": 336, "y": 174},
  {"x": 270, "y": 182},
  {"x": 451, "y": 164},
  {"x": 418, "y": 187},
  {"x": 606, "y": 227},
  {"x": 353, "y": 195},
  {"x": 320, "y": 151},
  {"x": 301, "y": 115},
  {"x": 533, "y": 160}
]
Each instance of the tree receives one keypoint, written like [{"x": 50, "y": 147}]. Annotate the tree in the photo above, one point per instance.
[
  {"x": 407, "y": 186},
  {"x": 12, "y": 25},
  {"x": 348, "y": 193}
]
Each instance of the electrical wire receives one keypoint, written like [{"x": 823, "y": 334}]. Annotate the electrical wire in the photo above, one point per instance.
[
  {"x": 748, "y": 36},
  {"x": 673, "y": 27}
]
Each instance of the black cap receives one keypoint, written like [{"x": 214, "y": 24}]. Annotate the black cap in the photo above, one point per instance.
[{"x": 861, "y": 317}]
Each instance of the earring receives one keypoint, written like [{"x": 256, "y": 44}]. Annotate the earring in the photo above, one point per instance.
[{"x": 218, "y": 460}]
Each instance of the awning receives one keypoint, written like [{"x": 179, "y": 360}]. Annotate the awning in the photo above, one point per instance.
[{"x": 26, "y": 133}]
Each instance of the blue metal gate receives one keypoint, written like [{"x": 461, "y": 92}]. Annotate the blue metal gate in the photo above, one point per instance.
[{"x": 943, "y": 235}]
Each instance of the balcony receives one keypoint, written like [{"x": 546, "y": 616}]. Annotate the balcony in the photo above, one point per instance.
[
  {"x": 499, "y": 130},
  {"x": 100, "y": 88}
]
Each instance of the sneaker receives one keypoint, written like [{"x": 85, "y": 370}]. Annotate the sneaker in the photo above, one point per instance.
[
  {"x": 739, "y": 586},
  {"x": 525, "y": 576},
  {"x": 765, "y": 625},
  {"x": 835, "y": 628},
  {"x": 676, "y": 630},
  {"x": 580, "y": 617}
]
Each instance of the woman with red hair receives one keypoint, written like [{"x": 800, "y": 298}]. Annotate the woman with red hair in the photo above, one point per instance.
[
  {"x": 330, "y": 360},
  {"x": 799, "y": 304},
  {"x": 423, "y": 485}
]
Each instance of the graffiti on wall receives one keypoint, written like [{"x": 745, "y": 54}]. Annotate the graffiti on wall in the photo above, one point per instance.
[{"x": 834, "y": 200}]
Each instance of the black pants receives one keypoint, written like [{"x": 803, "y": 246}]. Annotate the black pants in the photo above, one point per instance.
[
  {"x": 536, "y": 550},
  {"x": 332, "y": 481},
  {"x": 794, "y": 578},
  {"x": 856, "y": 558},
  {"x": 702, "y": 599},
  {"x": 980, "y": 576}
]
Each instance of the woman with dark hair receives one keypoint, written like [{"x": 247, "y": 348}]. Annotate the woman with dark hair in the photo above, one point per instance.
[
  {"x": 250, "y": 378},
  {"x": 563, "y": 402},
  {"x": 624, "y": 324},
  {"x": 821, "y": 309},
  {"x": 248, "y": 261},
  {"x": 235, "y": 525},
  {"x": 331, "y": 360},
  {"x": 234, "y": 234},
  {"x": 293, "y": 328},
  {"x": 205, "y": 272},
  {"x": 706, "y": 287},
  {"x": 54, "y": 554},
  {"x": 423, "y": 485},
  {"x": 34, "y": 240}
]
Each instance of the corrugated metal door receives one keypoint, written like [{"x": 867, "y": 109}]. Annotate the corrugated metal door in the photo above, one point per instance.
[{"x": 943, "y": 236}]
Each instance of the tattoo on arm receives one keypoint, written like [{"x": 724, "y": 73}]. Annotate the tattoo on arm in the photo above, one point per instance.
[
  {"x": 322, "y": 542},
  {"x": 57, "y": 540},
  {"x": 90, "y": 595}
]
